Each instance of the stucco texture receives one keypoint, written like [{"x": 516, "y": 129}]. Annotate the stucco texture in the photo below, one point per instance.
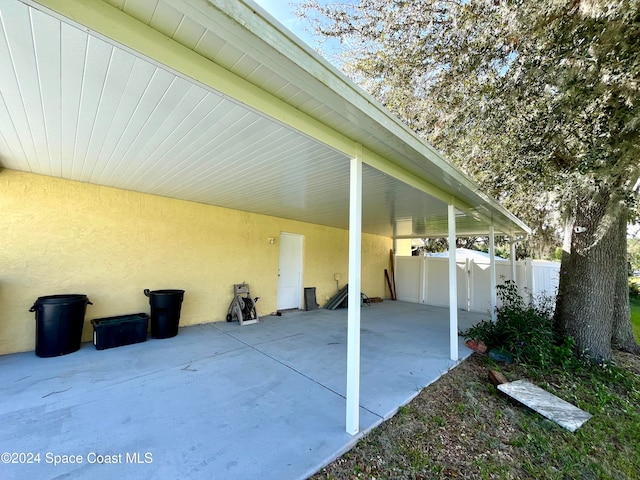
[{"x": 61, "y": 237}]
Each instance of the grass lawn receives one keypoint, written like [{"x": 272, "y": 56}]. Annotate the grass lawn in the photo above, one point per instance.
[
  {"x": 635, "y": 317},
  {"x": 461, "y": 427}
]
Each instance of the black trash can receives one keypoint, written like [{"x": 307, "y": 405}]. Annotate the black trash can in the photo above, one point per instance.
[
  {"x": 165, "y": 312},
  {"x": 59, "y": 323}
]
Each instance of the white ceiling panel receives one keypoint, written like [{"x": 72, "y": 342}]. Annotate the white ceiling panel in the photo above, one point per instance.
[
  {"x": 189, "y": 32},
  {"x": 246, "y": 66},
  {"x": 228, "y": 47},
  {"x": 140, "y": 9},
  {"x": 210, "y": 44},
  {"x": 119, "y": 120},
  {"x": 165, "y": 19},
  {"x": 242, "y": 26},
  {"x": 78, "y": 106},
  {"x": 228, "y": 56}
]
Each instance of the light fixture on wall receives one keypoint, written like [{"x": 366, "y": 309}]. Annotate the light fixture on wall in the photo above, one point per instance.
[{"x": 271, "y": 240}]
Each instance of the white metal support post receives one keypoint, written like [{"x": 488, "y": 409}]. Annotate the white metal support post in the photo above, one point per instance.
[
  {"x": 353, "y": 323},
  {"x": 512, "y": 255},
  {"x": 468, "y": 265},
  {"x": 453, "y": 286},
  {"x": 492, "y": 273}
]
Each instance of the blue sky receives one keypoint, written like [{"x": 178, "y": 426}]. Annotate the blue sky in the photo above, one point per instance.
[{"x": 283, "y": 11}]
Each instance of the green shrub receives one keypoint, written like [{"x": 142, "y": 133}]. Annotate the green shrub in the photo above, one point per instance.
[
  {"x": 634, "y": 287},
  {"x": 525, "y": 330}
]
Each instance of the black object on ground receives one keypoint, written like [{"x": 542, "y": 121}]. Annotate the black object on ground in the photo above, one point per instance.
[
  {"x": 310, "y": 299},
  {"x": 121, "y": 330},
  {"x": 59, "y": 323},
  {"x": 165, "y": 312}
]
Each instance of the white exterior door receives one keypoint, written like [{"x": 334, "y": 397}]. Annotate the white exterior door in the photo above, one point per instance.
[{"x": 290, "y": 271}]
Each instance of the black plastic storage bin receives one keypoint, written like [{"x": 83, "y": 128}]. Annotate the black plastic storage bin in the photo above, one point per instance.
[
  {"x": 59, "y": 323},
  {"x": 165, "y": 312},
  {"x": 121, "y": 330}
]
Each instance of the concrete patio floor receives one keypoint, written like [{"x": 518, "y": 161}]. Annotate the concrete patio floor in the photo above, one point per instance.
[{"x": 218, "y": 401}]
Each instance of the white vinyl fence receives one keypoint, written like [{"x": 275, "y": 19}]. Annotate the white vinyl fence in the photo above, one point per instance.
[{"x": 426, "y": 280}]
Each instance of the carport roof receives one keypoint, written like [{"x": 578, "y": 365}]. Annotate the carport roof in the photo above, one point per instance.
[{"x": 218, "y": 103}]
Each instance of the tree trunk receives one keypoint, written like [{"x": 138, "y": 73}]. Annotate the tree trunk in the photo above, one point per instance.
[
  {"x": 590, "y": 293},
  {"x": 622, "y": 334}
]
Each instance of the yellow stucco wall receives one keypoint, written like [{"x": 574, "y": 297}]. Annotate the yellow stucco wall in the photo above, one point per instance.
[
  {"x": 60, "y": 237},
  {"x": 403, "y": 247}
]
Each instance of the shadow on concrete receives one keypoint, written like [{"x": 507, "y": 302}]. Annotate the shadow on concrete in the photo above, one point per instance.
[{"x": 218, "y": 401}]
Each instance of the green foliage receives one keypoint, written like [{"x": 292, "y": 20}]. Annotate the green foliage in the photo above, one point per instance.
[
  {"x": 524, "y": 330},
  {"x": 502, "y": 248},
  {"x": 633, "y": 250},
  {"x": 557, "y": 254},
  {"x": 537, "y": 101},
  {"x": 634, "y": 288}
]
